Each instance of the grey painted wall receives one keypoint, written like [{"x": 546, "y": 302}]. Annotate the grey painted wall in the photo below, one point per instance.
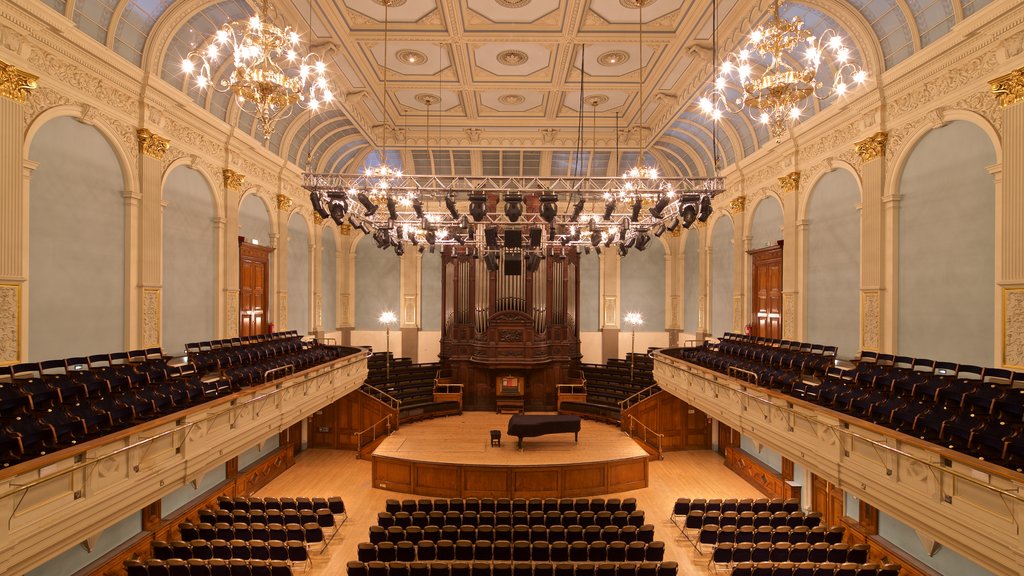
[
  {"x": 691, "y": 280},
  {"x": 175, "y": 500},
  {"x": 76, "y": 244},
  {"x": 766, "y": 225},
  {"x": 328, "y": 279},
  {"x": 430, "y": 286},
  {"x": 76, "y": 557},
  {"x": 721, "y": 277},
  {"x": 254, "y": 220},
  {"x": 643, "y": 286},
  {"x": 298, "y": 275},
  {"x": 590, "y": 305},
  {"x": 947, "y": 247},
  {"x": 766, "y": 455},
  {"x": 945, "y": 561},
  {"x": 189, "y": 262},
  {"x": 253, "y": 454},
  {"x": 377, "y": 284},
  {"x": 833, "y": 263}
]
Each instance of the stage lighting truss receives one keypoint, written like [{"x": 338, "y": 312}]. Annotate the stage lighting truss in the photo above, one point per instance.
[{"x": 425, "y": 212}]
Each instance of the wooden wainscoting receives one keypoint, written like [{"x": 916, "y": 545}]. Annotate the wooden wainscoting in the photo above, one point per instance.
[
  {"x": 882, "y": 551},
  {"x": 684, "y": 427},
  {"x": 335, "y": 425},
  {"x": 768, "y": 481}
]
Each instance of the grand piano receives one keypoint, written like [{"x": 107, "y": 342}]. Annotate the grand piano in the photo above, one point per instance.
[{"x": 531, "y": 425}]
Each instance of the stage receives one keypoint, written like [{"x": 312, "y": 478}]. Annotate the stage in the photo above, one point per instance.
[{"x": 453, "y": 457}]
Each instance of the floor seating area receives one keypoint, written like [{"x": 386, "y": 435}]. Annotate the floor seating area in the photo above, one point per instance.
[
  {"x": 974, "y": 410},
  {"x": 520, "y": 536},
  {"x": 609, "y": 384},
  {"x": 55, "y": 404},
  {"x": 411, "y": 384},
  {"x": 812, "y": 569},
  {"x": 247, "y": 536}
]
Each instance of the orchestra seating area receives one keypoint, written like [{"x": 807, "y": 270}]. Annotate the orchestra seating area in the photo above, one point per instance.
[
  {"x": 55, "y": 404},
  {"x": 409, "y": 383},
  {"x": 246, "y": 535},
  {"x": 512, "y": 537},
  {"x": 771, "y": 537},
  {"x": 609, "y": 384},
  {"x": 974, "y": 410}
]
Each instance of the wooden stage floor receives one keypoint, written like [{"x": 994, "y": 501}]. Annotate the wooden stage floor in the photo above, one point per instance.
[{"x": 465, "y": 439}]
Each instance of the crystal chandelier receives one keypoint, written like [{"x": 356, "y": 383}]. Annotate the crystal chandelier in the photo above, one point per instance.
[
  {"x": 791, "y": 57},
  {"x": 270, "y": 75}
]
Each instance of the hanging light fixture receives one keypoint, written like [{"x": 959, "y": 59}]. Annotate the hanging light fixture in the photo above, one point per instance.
[
  {"x": 791, "y": 57},
  {"x": 270, "y": 76}
]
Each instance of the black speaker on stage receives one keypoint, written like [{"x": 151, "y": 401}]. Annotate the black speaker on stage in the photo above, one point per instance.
[
  {"x": 513, "y": 264},
  {"x": 513, "y": 238}
]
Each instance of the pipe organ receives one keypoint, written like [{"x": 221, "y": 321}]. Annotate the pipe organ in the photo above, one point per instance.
[{"x": 510, "y": 311}]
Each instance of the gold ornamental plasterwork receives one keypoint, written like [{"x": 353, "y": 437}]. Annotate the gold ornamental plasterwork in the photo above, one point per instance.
[
  {"x": 10, "y": 323},
  {"x": 151, "y": 317},
  {"x": 284, "y": 203},
  {"x": 231, "y": 313},
  {"x": 233, "y": 180},
  {"x": 317, "y": 219},
  {"x": 345, "y": 229},
  {"x": 1013, "y": 327},
  {"x": 872, "y": 147},
  {"x": 790, "y": 182},
  {"x": 738, "y": 204},
  {"x": 15, "y": 83},
  {"x": 1008, "y": 88},
  {"x": 152, "y": 145},
  {"x": 871, "y": 320}
]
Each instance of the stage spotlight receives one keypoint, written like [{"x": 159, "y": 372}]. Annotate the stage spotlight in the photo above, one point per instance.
[
  {"x": 491, "y": 237},
  {"x": 418, "y": 207},
  {"x": 672, "y": 225},
  {"x": 338, "y": 210},
  {"x": 688, "y": 213},
  {"x": 659, "y": 230},
  {"x": 453, "y": 209},
  {"x": 359, "y": 224},
  {"x": 399, "y": 249},
  {"x": 382, "y": 238},
  {"x": 638, "y": 204},
  {"x": 660, "y": 206},
  {"x": 532, "y": 262},
  {"x": 609, "y": 208},
  {"x": 623, "y": 250},
  {"x": 548, "y": 206},
  {"x": 318, "y": 199},
  {"x": 642, "y": 241},
  {"x": 577, "y": 209},
  {"x": 705, "y": 209},
  {"x": 491, "y": 260},
  {"x": 478, "y": 206},
  {"x": 368, "y": 204},
  {"x": 513, "y": 206},
  {"x": 431, "y": 237},
  {"x": 392, "y": 208}
]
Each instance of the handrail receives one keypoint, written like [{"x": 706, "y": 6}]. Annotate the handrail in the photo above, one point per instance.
[
  {"x": 573, "y": 388},
  {"x": 446, "y": 386},
  {"x": 381, "y": 395},
  {"x": 647, "y": 432},
  {"x": 757, "y": 379},
  {"x": 184, "y": 427},
  {"x": 373, "y": 429},
  {"x": 636, "y": 397},
  {"x": 876, "y": 444},
  {"x": 278, "y": 369}
]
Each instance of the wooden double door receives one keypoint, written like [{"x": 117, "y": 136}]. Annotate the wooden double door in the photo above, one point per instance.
[
  {"x": 766, "y": 292},
  {"x": 253, "y": 291}
]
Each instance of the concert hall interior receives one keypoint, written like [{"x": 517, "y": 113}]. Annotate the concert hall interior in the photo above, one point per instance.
[{"x": 512, "y": 287}]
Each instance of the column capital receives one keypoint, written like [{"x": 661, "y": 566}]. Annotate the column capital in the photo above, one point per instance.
[
  {"x": 790, "y": 182},
  {"x": 317, "y": 219},
  {"x": 345, "y": 229},
  {"x": 872, "y": 147},
  {"x": 16, "y": 83},
  {"x": 1008, "y": 88},
  {"x": 738, "y": 204},
  {"x": 233, "y": 180},
  {"x": 152, "y": 145},
  {"x": 284, "y": 203}
]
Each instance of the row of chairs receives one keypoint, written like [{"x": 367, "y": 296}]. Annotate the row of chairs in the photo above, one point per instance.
[
  {"x": 496, "y": 505},
  {"x": 310, "y": 532},
  {"x": 537, "y": 533},
  {"x": 356, "y": 568},
  {"x": 289, "y": 551},
  {"x": 694, "y": 519},
  {"x": 535, "y": 518},
  {"x": 713, "y": 534},
  {"x": 247, "y": 503},
  {"x": 812, "y": 569},
  {"x": 518, "y": 551},
  {"x": 322, "y": 516},
  {"x": 683, "y": 506},
  {"x": 213, "y": 567},
  {"x": 729, "y": 553}
]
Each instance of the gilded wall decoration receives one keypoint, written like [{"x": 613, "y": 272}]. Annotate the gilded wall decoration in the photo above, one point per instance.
[
  {"x": 281, "y": 322},
  {"x": 1013, "y": 327},
  {"x": 284, "y": 203},
  {"x": 872, "y": 147},
  {"x": 737, "y": 204},
  {"x": 151, "y": 317},
  {"x": 790, "y": 182},
  {"x": 318, "y": 309},
  {"x": 789, "y": 315},
  {"x": 231, "y": 313},
  {"x": 233, "y": 180},
  {"x": 16, "y": 83},
  {"x": 10, "y": 323},
  {"x": 152, "y": 145},
  {"x": 737, "y": 315},
  {"x": 871, "y": 320},
  {"x": 1008, "y": 88}
]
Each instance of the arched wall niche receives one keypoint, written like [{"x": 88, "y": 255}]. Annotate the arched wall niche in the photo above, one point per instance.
[
  {"x": 722, "y": 281},
  {"x": 299, "y": 274},
  {"x": 691, "y": 280},
  {"x": 329, "y": 316}
]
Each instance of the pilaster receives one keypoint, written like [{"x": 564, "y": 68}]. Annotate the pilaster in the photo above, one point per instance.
[
  {"x": 790, "y": 254},
  {"x": 16, "y": 86},
  {"x": 737, "y": 208},
  {"x": 151, "y": 152},
  {"x": 704, "y": 252},
  {"x": 316, "y": 261},
  {"x": 409, "y": 287},
  {"x": 229, "y": 248},
  {"x": 1009, "y": 89},
  {"x": 873, "y": 257},
  {"x": 611, "y": 299},
  {"x": 280, "y": 314}
]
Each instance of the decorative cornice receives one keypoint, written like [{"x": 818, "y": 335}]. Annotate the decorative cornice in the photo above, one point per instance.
[
  {"x": 790, "y": 182},
  {"x": 872, "y": 147},
  {"x": 15, "y": 83},
  {"x": 233, "y": 180},
  {"x": 284, "y": 203},
  {"x": 1008, "y": 88},
  {"x": 738, "y": 204},
  {"x": 152, "y": 145}
]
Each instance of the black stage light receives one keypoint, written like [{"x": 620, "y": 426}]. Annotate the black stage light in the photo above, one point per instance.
[
  {"x": 659, "y": 230},
  {"x": 513, "y": 206},
  {"x": 338, "y": 210},
  {"x": 392, "y": 208},
  {"x": 638, "y": 204},
  {"x": 368, "y": 204},
  {"x": 491, "y": 236},
  {"x": 399, "y": 249},
  {"x": 705, "y": 209},
  {"x": 688, "y": 213},
  {"x": 642, "y": 241},
  {"x": 478, "y": 206},
  {"x": 532, "y": 262},
  {"x": 431, "y": 237},
  {"x": 672, "y": 225},
  {"x": 577, "y": 209},
  {"x": 535, "y": 237},
  {"x": 418, "y": 207},
  {"x": 453, "y": 209},
  {"x": 548, "y": 206},
  {"x": 318, "y": 199},
  {"x": 382, "y": 238},
  {"x": 660, "y": 206},
  {"x": 491, "y": 260},
  {"x": 609, "y": 208},
  {"x": 623, "y": 250}
]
